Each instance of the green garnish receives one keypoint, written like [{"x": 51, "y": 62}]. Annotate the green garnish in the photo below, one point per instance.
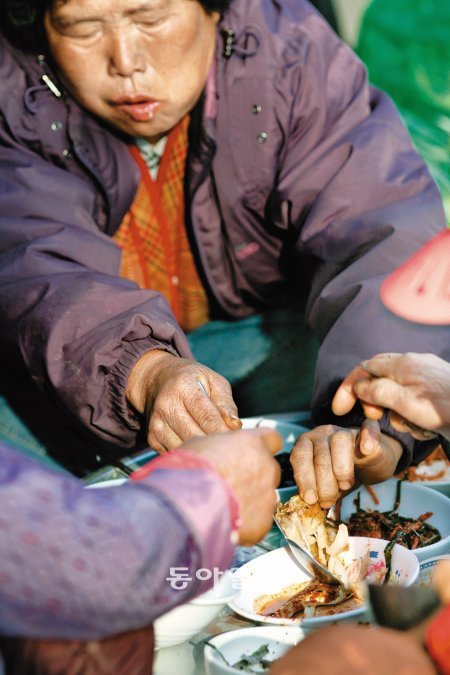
[
  {"x": 388, "y": 559},
  {"x": 255, "y": 660}
]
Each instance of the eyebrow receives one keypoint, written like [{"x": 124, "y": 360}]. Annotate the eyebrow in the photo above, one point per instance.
[{"x": 64, "y": 22}]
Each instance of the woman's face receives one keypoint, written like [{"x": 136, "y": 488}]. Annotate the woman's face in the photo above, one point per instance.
[{"x": 140, "y": 65}]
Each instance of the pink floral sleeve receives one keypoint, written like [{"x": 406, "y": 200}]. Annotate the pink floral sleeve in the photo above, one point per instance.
[{"x": 78, "y": 563}]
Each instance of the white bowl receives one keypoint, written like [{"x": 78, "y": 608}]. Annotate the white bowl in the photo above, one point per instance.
[
  {"x": 415, "y": 500},
  {"x": 235, "y": 644},
  {"x": 183, "y": 622},
  {"x": 289, "y": 432},
  {"x": 427, "y": 568},
  {"x": 272, "y": 572}
]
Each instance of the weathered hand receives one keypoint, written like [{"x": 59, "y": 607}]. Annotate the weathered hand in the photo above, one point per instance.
[
  {"x": 441, "y": 581},
  {"x": 415, "y": 387},
  {"x": 245, "y": 460},
  {"x": 350, "y": 648},
  {"x": 329, "y": 460},
  {"x": 165, "y": 388}
]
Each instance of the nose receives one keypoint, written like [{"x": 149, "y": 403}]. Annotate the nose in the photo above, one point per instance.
[{"x": 126, "y": 56}]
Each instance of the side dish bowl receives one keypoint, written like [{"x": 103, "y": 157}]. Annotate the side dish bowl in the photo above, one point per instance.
[
  {"x": 415, "y": 500},
  {"x": 238, "y": 644}
]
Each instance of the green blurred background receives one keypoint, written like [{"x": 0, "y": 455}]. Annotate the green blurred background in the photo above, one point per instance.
[{"x": 406, "y": 47}]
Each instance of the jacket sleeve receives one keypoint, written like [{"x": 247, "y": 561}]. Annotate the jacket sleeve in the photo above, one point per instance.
[
  {"x": 82, "y": 563},
  {"x": 77, "y": 325},
  {"x": 361, "y": 201}
]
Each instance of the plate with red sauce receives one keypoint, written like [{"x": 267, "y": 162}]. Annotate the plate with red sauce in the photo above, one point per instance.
[{"x": 272, "y": 578}]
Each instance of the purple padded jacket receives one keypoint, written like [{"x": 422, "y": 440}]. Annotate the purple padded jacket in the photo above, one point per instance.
[
  {"x": 78, "y": 563},
  {"x": 300, "y": 179}
]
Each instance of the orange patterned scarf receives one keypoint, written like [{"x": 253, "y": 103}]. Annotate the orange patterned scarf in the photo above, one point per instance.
[{"x": 156, "y": 252}]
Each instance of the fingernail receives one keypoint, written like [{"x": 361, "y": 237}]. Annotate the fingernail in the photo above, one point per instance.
[
  {"x": 361, "y": 388},
  {"x": 310, "y": 497},
  {"x": 271, "y": 441},
  {"x": 232, "y": 421},
  {"x": 368, "y": 445},
  {"x": 366, "y": 365},
  {"x": 345, "y": 485}
]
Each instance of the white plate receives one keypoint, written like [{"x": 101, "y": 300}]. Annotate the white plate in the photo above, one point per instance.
[
  {"x": 290, "y": 432},
  {"x": 272, "y": 572},
  {"x": 415, "y": 500}
]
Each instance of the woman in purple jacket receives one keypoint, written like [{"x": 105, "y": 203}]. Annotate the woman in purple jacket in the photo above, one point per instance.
[
  {"x": 82, "y": 565},
  {"x": 195, "y": 168}
]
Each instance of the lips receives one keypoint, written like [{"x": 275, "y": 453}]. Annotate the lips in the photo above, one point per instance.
[{"x": 138, "y": 108}]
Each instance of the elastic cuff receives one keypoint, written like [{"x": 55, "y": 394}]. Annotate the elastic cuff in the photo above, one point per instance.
[{"x": 118, "y": 376}]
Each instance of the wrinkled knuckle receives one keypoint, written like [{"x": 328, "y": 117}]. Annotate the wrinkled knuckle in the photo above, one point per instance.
[
  {"x": 381, "y": 388},
  {"x": 322, "y": 465},
  {"x": 157, "y": 425},
  {"x": 328, "y": 495},
  {"x": 303, "y": 482},
  {"x": 300, "y": 459},
  {"x": 298, "y": 452},
  {"x": 341, "y": 438},
  {"x": 226, "y": 385},
  {"x": 162, "y": 401},
  {"x": 343, "y": 471},
  {"x": 296, "y": 449},
  {"x": 155, "y": 444},
  {"x": 175, "y": 411},
  {"x": 209, "y": 421},
  {"x": 219, "y": 379},
  {"x": 323, "y": 433},
  {"x": 322, "y": 454}
]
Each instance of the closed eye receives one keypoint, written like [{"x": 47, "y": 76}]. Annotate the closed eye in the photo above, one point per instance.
[{"x": 80, "y": 29}]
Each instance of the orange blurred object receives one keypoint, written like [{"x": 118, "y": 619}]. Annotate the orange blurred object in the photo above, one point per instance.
[{"x": 419, "y": 290}]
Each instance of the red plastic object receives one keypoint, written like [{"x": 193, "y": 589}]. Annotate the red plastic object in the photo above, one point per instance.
[{"x": 419, "y": 290}]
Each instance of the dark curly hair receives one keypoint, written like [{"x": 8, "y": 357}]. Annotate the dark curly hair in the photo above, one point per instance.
[{"x": 22, "y": 20}]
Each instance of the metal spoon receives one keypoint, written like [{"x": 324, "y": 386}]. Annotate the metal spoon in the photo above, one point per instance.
[{"x": 309, "y": 563}]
